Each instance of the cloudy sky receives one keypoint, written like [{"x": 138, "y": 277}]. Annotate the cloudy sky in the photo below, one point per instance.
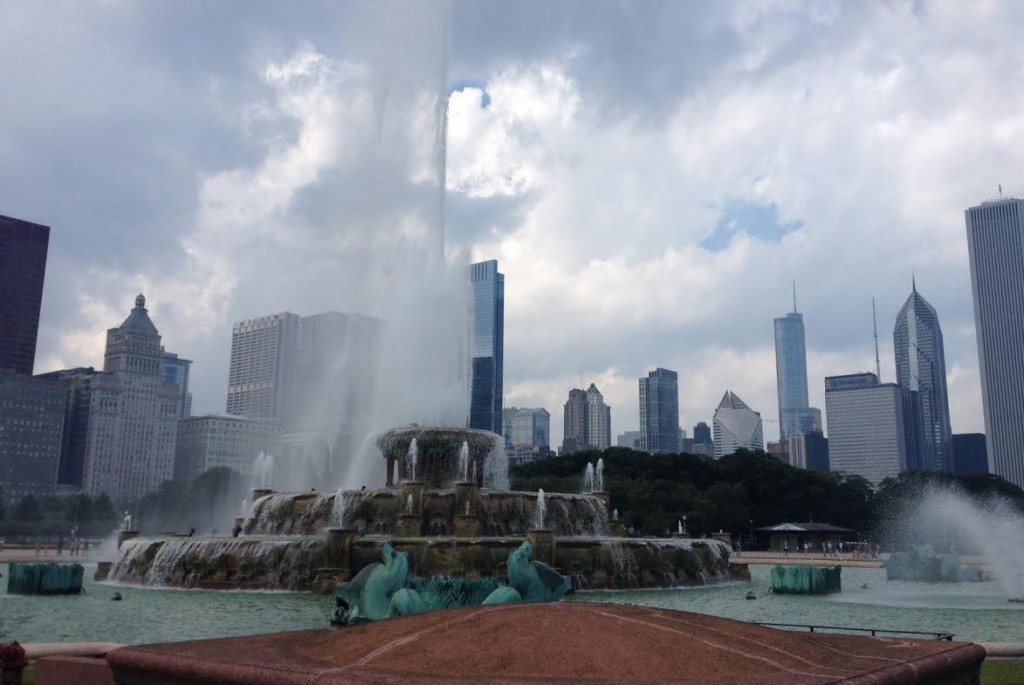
[{"x": 650, "y": 176}]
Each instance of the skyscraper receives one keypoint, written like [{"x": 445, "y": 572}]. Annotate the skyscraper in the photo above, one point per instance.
[
  {"x": 795, "y": 416},
  {"x": 995, "y": 243},
  {"x": 487, "y": 346},
  {"x": 176, "y": 370},
  {"x": 263, "y": 374},
  {"x": 133, "y": 419},
  {"x": 32, "y": 414},
  {"x": 921, "y": 372},
  {"x": 586, "y": 422},
  {"x": 659, "y": 412},
  {"x": 599, "y": 420},
  {"x": 866, "y": 427},
  {"x": 736, "y": 426},
  {"x": 23, "y": 248},
  {"x": 527, "y": 427}
]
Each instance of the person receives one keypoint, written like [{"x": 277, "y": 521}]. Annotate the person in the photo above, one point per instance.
[{"x": 785, "y": 548}]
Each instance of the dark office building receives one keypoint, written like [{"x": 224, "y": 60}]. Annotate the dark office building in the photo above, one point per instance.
[
  {"x": 31, "y": 434},
  {"x": 970, "y": 454},
  {"x": 487, "y": 345},
  {"x": 77, "y": 410},
  {"x": 22, "y": 267}
]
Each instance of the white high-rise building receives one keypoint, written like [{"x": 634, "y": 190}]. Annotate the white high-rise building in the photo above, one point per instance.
[
  {"x": 736, "y": 426},
  {"x": 133, "y": 414},
  {"x": 995, "y": 243},
  {"x": 206, "y": 442},
  {"x": 263, "y": 374},
  {"x": 599, "y": 419},
  {"x": 866, "y": 430}
]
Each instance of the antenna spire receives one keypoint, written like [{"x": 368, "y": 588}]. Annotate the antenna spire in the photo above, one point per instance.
[
  {"x": 794, "y": 297},
  {"x": 874, "y": 322},
  {"x": 913, "y": 282}
]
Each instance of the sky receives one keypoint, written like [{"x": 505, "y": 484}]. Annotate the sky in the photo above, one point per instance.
[{"x": 650, "y": 176}]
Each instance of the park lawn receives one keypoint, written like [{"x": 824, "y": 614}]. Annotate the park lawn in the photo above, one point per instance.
[{"x": 1006, "y": 672}]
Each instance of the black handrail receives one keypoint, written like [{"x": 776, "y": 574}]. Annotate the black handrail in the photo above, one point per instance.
[{"x": 874, "y": 631}]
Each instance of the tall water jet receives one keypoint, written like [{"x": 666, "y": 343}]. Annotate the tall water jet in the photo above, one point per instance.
[
  {"x": 409, "y": 504},
  {"x": 410, "y": 460},
  {"x": 464, "y": 460},
  {"x": 599, "y": 476},
  {"x": 539, "y": 511},
  {"x": 338, "y": 510},
  {"x": 588, "y": 478}
]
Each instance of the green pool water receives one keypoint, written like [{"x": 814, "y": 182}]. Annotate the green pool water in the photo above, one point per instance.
[{"x": 975, "y": 611}]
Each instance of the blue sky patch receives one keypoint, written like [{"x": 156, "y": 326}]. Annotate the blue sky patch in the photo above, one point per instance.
[{"x": 757, "y": 220}]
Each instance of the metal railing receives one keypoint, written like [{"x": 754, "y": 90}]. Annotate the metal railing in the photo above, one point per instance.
[{"x": 875, "y": 632}]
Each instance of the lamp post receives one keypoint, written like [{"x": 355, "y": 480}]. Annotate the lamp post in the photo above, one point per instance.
[
  {"x": 751, "y": 531},
  {"x": 684, "y": 524}
]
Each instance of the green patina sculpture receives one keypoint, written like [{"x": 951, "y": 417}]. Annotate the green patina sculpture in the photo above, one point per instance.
[
  {"x": 385, "y": 589},
  {"x": 535, "y": 581}
]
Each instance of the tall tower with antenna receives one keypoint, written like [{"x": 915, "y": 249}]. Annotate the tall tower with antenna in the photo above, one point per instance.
[
  {"x": 795, "y": 416},
  {"x": 874, "y": 323}
]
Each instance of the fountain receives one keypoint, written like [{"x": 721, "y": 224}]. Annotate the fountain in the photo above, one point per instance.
[
  {"x": 946, "y": 519},
  {"x": 446, "y": 520},
  {"x": 599, "y": 476},
  {"x": 539, "y": 511},
  {"x": 588, "y": 478}
]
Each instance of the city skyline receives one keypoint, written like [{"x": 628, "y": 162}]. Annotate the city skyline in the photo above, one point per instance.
[{"x": 599, "y": 238}]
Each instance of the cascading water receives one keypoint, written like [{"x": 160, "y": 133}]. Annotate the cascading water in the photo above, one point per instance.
[
  {"x": 263, "y": 471},
  {"x": 409, "y": 505},
  {"x": 539, "y": 511},
  {"x": 464, "y": 460},
  {"x": 588, "y": 479},
  {"x": 599, "y": 476}
]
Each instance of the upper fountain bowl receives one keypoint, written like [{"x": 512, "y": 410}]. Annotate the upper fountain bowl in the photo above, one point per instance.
[{"x": 437, "y": 451}]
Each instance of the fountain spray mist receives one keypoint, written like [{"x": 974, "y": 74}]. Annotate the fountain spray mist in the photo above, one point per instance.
[{"x": 946, "y": 517}]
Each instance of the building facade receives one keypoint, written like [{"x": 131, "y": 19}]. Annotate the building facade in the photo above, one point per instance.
[
  {"x": 995, "y": 243},
  {"x": 630, "y": 439},
  {"x": 599, "y": 420},
  {"x": 659, "y": 412},
  {"x": 736, "y": 426},
  {"x": 263, "y": 373},
  {"x": 525, "y": 427},
  {"x": 133, "y": 414},
  {"x": 487, "y": 346},
  {"x": 809, "y": 451},
  {"x": 23, "y": 247},
  {"x": 866, "y": 426},
  {"x": 791, "y": 373},
  {"x": 921, "y": 372},
  {"x": 222, "y": 440},
  {"x": 78, "y": 385},
  {"x": 586, "y": 421},
  {"x": 970, "y": 455},
  {"x": 32, "y": 414},
  {"x": 176, "y": 371}
]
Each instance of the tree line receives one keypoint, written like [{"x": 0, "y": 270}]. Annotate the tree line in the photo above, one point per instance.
[{"x": 745, "y": 491}]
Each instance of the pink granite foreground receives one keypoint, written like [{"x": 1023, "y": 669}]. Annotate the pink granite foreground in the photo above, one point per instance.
[{"x": 552, "y": 643}]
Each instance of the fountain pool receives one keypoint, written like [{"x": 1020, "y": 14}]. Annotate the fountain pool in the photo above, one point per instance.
[{"x": 975, "y": 611}]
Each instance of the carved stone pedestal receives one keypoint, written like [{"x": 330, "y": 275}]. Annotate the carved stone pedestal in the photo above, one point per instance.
[
  {"x": 543, "y": 542},
  {"x": 409, "y": 526},
  {"x": 467, "y": 526}
]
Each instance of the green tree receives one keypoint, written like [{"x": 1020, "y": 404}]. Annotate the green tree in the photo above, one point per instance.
[{"x": 28, "y": 509}]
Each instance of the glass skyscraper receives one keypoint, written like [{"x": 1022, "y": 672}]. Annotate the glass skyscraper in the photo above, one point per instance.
[
  {"x": 995, "y": 243},
  {"x": 23, "y": 247},
  {"x": 795, "y": 416},
  {"x": 487, "y": 346},
  {"x": 736, "y": 426},
  {"x": 921, "y": 372},
  {"x": 659, "y": 412}
]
